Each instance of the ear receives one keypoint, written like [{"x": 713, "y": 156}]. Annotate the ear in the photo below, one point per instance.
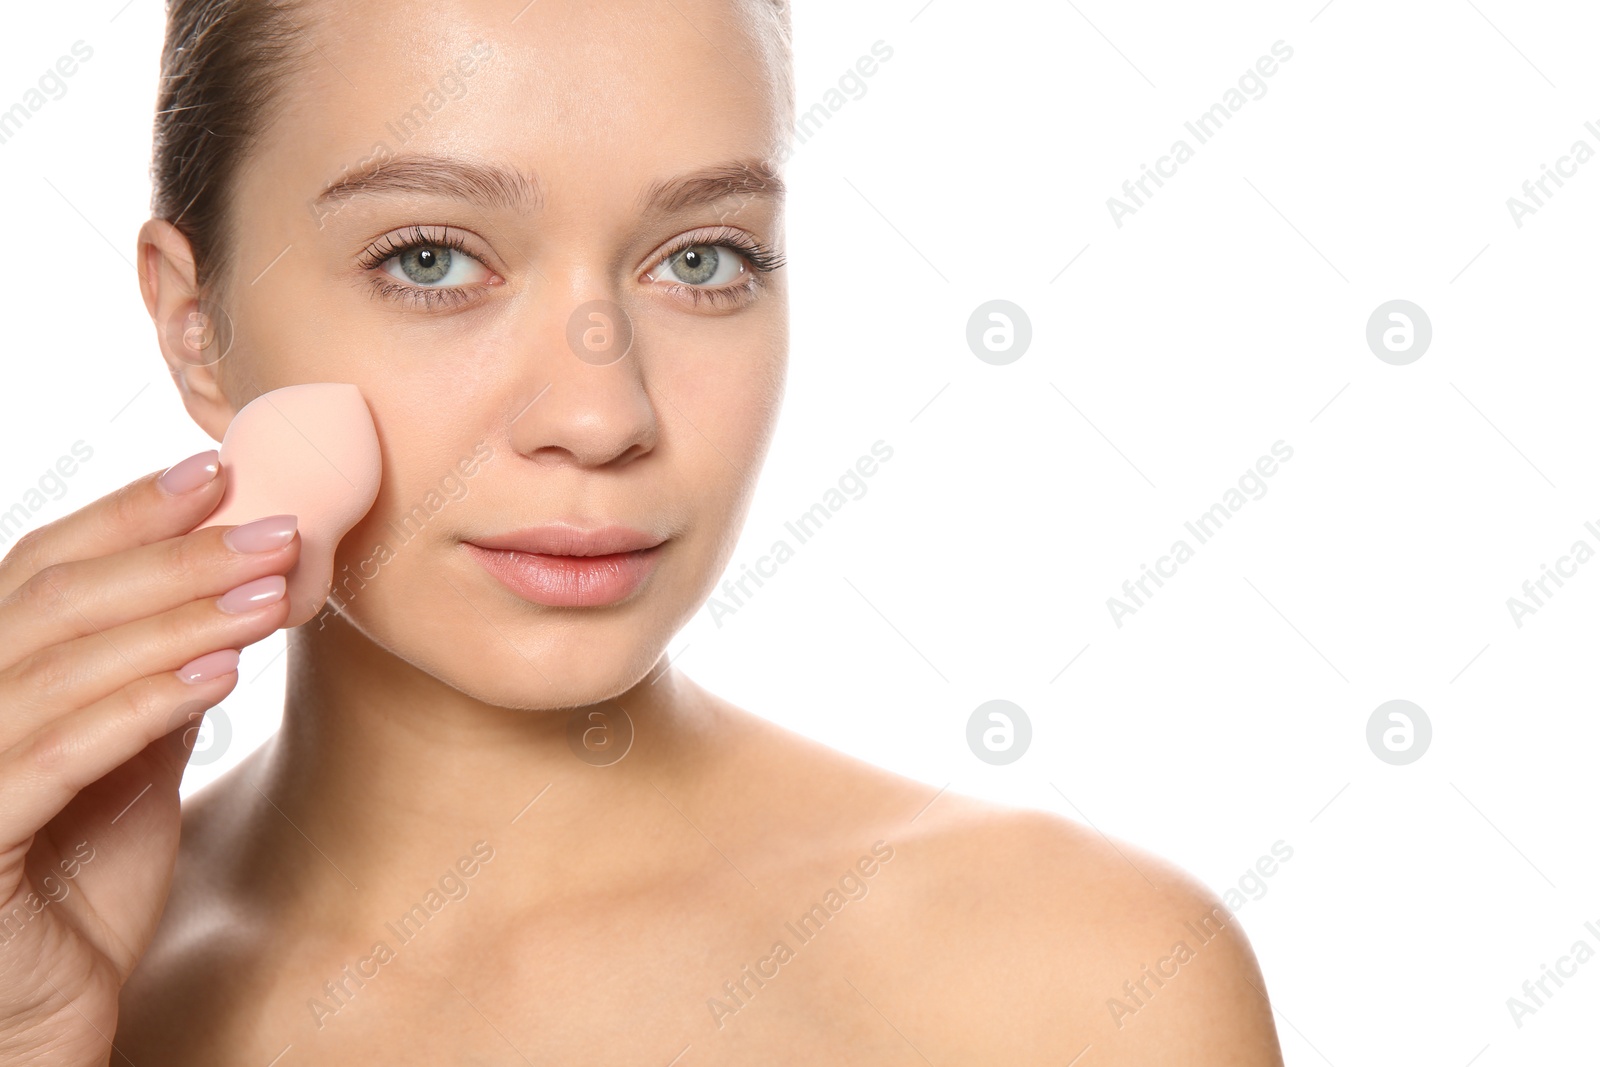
[{"x": 193, "y": 334}]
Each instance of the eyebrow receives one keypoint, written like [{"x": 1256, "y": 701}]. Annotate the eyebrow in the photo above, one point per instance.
[
  {"x": 496, "y": 185},
  {"x": 747, "y": 179}
]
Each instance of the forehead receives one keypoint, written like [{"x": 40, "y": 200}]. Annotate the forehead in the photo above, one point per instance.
[{"x": 595, "y": 98}]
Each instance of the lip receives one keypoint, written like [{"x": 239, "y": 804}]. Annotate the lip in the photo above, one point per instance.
[{"x": 566, "y": 566}]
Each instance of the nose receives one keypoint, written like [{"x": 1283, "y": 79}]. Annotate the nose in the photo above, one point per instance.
[{"x": 586, "y": 402}]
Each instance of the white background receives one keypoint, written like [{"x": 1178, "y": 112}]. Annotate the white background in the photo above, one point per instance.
[{"x": 1228, "y": 313}]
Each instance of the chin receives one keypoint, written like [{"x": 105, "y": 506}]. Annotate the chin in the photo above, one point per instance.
[
  {"x": 445, "y": 615},
  {"x": 572, "y": 672},
  {"x": 503, "y": 653}
]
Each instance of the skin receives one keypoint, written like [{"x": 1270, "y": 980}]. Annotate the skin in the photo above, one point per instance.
[{"x": 606, "y": 905}]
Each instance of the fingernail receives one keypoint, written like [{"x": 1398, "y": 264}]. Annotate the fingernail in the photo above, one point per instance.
[
  {"x": 262, "y": 535},
  {"x": 190, "y": 474},
  {"x": 209, "y": 666},
  {"x": 252, "y": 595}
]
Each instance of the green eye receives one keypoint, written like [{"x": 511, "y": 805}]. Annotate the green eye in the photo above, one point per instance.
[
  {"x": 425, "y": 264},
  {"x": 703, "y": 266},
  {"x": 430, "y": 265}
]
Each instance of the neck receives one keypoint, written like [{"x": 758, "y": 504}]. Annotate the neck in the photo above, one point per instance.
[{"x": 381, "y": 774}]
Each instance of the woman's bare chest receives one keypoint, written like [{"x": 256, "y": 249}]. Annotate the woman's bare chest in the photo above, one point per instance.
[{"x": 735, "y": 978}]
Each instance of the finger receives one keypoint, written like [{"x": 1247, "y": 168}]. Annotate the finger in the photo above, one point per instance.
[
  {"x": 159, "y": 505},
  {"x": 41, "y": 774},
  {"x": 54, "y": 682},
  {"x": 65, "y": 601}
]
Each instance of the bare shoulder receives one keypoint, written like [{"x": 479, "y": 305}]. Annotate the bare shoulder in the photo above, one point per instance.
[
  {"x": 1049, "y": 940},
  {"x": 988, "y": 933}
]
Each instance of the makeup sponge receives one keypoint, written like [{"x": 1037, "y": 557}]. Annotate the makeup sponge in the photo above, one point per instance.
[{"x": 305, "y": 450}]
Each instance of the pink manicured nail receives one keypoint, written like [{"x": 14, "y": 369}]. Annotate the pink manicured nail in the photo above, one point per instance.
[
  {"x": 252, "y": 595},
  {"x": 262, "y": 535},
  {"x": 190, "y": 474},
  {"x": 209, "y": 666}
]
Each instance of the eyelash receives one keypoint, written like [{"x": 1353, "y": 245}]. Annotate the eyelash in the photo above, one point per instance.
[
  {"x": 761, "y": 260},
  {"x": 389, "y": 246}
]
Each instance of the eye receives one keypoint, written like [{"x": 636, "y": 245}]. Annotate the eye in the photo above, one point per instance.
[
  {"x": 427, "y": 268},
  {"x": 434, "y": 265},
  {"x": 722, "y": 268},
  {"x": 712, "y": 266}
]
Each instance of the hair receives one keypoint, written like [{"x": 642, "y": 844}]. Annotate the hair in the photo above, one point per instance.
[{"x": 223, "y": 64}]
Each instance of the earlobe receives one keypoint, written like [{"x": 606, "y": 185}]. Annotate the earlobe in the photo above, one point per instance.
[{"x": 192, "y": 334}]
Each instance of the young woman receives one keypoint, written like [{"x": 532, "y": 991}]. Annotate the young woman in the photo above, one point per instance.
[{"x": 496, "y": 826}]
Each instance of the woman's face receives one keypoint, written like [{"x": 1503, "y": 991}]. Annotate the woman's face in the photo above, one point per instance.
[{"x": 465, "y": 209}]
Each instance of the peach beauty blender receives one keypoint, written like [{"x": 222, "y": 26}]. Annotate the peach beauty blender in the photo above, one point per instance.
[{"x": 305, "y": 450}]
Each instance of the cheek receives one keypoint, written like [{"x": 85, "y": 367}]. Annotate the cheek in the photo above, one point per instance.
[
  {"x": 438, "y": 454},
  {"x": 296, "y": 327},
  {"x": 736, "y": 410},
  {"x": 723, "y": 425},
  {"x": 731, "y": 391}
]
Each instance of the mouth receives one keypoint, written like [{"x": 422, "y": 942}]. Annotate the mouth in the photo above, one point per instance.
[{"x": 564, "y": 566}]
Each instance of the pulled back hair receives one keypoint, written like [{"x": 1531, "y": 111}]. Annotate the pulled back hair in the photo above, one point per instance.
[{"x": 223, "y": 63}]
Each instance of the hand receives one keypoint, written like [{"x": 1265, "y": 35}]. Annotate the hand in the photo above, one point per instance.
[{"x": 117, "y": 631}]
